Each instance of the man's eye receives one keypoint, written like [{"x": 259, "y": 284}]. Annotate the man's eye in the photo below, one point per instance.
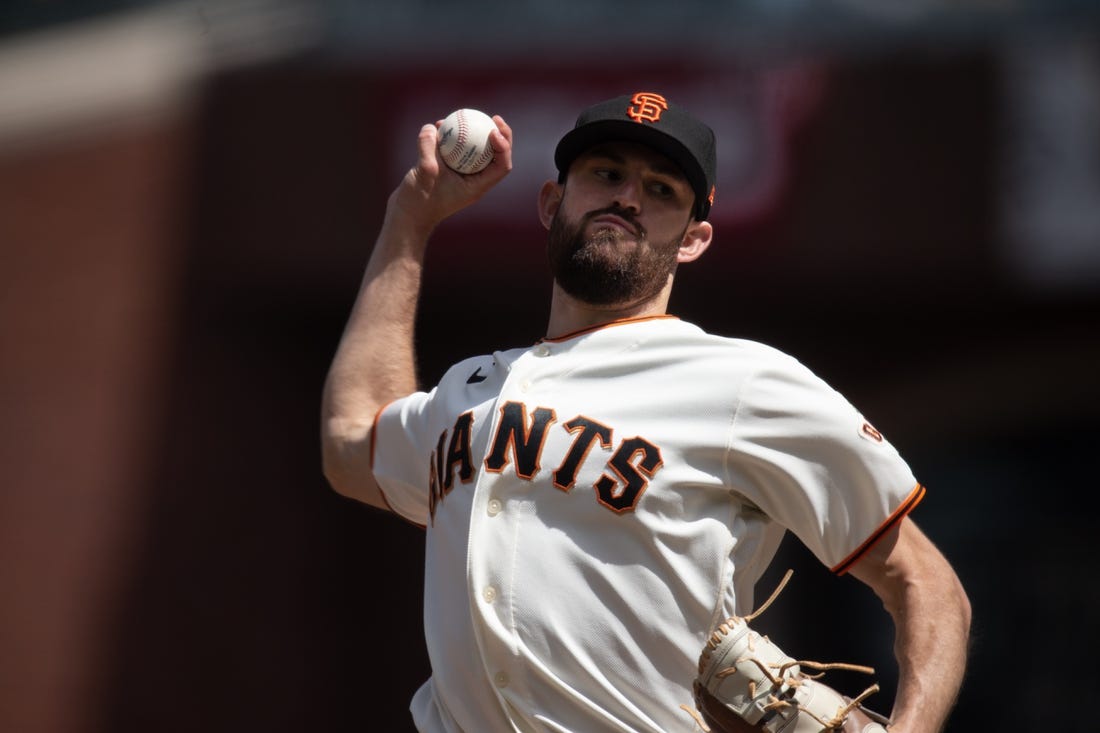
[
  {"x": 608, "y": 174},
  {"x": 662, "y": 189}
]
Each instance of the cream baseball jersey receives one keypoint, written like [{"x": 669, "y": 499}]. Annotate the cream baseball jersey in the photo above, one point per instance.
[{"x": 595, "y": 504}]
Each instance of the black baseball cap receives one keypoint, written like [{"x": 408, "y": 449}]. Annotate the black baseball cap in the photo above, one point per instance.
[{"x": 649, "y": 119}]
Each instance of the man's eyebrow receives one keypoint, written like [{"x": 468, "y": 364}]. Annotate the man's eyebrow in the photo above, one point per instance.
[
  {"x": 606, "y": 152},
  {"x": 670, "y": 169},
  {"x": 661, "y": 165}
]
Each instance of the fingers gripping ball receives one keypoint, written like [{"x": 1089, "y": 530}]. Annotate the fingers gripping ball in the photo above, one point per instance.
[
  {"x": 464, "y": 140},
  {"x": 746, "y": 684}
]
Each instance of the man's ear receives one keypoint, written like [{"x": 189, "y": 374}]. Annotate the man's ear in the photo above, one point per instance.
[
  {"x": 549, "y": 200},
  {"x": 696, "y": 240}
]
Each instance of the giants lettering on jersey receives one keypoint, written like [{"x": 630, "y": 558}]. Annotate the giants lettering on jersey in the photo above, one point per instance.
[{"x": 519, "y": 441}]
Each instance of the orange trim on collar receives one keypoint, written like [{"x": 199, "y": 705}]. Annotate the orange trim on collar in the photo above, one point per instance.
[{"x": 609, "y": 324}]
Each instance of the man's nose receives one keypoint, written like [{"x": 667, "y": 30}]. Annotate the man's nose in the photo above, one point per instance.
[{"x": 628, "y": 195}]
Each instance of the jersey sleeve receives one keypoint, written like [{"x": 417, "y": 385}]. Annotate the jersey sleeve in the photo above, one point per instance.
[
  {"x": 400, "y": 455},
  {"x": 803, "y": 455}
]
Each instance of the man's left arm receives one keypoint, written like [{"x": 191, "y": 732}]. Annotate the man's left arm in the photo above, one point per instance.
[{"x": 931, "y": 614}]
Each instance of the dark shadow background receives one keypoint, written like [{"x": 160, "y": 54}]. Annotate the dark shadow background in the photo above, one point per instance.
[{"x": 245, "y": 595}]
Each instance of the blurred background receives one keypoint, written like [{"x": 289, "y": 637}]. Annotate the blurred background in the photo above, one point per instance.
[{"x": 908, "y": 201}]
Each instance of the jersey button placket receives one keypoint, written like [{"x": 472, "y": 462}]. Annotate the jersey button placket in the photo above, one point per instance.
[
  {"x": 497, "y": 531},
  {"x": 492, "y": 526}
]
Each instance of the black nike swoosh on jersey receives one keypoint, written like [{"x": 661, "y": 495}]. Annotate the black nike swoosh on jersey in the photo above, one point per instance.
[{"x": 477, "y": 376}]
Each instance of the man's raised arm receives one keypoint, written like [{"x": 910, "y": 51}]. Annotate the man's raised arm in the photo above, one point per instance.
[{"x": 375, "y": 363}]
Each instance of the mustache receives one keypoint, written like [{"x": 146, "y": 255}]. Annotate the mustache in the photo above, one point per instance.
[{"x": 624, "y": 214}]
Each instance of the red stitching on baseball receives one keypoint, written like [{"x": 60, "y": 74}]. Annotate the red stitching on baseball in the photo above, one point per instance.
[
  {"x": 461, "y": 132},
  {"x": 461, "y": 128},
  {"x": 486, "y": 156}
]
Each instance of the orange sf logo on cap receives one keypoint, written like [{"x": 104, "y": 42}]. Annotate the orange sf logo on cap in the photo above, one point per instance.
[{"x": 647, "y": 107}]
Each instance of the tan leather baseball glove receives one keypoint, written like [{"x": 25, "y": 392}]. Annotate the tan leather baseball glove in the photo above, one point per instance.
[{"x": 746, "y": 684}]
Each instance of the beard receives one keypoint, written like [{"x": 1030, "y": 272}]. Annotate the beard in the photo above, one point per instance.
[{"x": 594, "y": 270}]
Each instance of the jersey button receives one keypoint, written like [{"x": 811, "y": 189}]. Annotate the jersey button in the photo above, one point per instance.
[
  {"x": 489, "y": 594},
  {"x": 501, "y": 679},
  {"x": 542, "y": 350},
  {"x": 495, "y": 507}
]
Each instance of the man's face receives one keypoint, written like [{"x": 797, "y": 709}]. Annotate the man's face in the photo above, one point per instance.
[{"x": 615, "y": 238}]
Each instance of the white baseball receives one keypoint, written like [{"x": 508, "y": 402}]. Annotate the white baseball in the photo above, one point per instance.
[{"x": 464, "y": 140}]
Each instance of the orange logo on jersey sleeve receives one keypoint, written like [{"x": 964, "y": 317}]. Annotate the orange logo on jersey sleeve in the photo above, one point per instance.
[{"x": 869, "y": 432}]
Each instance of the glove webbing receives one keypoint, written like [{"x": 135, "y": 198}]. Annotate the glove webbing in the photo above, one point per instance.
[{"x": 778, "y": 680}]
